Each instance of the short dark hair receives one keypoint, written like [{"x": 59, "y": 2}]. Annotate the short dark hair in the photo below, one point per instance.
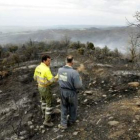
[
  {"x": 69, "y": 59},
  {"x": 45, "y": 57}
]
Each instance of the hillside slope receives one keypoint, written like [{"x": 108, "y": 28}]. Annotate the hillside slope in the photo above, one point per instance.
[
  {"x": 116, "y": 37},
  {"x": 108, "y": 107}
]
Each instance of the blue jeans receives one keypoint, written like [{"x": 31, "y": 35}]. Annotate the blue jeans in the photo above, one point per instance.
[{"x": 68, "y": 106}]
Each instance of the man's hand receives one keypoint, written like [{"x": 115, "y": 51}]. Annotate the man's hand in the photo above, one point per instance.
[
  {"x": 81, "y": 68},
  {"x": 56, "y": 77}
]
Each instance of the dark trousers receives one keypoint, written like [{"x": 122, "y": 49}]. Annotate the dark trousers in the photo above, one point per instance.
[{"x": 68, "y": 106}]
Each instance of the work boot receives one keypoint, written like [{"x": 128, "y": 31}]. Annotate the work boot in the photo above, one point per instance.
[
  {"x": 70, "y": 123},
  {"x": 49, "y": 124},
  {"x": 56, "y": 111},
  {"x": 62, "y": 126}
]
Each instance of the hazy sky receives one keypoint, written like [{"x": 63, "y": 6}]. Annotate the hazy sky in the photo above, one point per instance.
[{"x": 67, "y": 12}]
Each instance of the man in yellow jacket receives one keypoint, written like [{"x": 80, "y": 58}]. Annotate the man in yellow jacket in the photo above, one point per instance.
[{"x": 44, "y": 78}]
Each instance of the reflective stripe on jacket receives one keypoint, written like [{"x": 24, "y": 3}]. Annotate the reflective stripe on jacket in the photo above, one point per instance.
[{"x": 43, "y": 75}]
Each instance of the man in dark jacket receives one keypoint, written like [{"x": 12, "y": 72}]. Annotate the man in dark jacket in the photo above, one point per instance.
[{"x": 69, "y": 82}]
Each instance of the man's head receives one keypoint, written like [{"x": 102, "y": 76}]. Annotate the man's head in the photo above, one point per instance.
[
  {"x": 46, "y": 60},
  {"x": 69, "y": 60}
]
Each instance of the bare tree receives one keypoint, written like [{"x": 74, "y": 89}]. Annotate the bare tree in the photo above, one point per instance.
[
  {"x": 66, "y": 42},
  {"x": 135, "y": 23},
  {"x": 137, "y": 17},
  {"x": 133, "y": 48},
  {"x": 134, "y": 44}
]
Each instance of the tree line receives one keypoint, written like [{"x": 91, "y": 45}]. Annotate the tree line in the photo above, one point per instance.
[{"x": 11, "y": 54}]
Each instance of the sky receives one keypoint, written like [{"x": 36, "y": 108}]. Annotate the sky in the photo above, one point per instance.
[{"x": 67, "y": 12}]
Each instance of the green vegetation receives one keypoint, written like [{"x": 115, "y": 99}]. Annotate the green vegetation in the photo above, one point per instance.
[
  {"x": 13, "y": 54},
  {"x": 90, "y": 45},
  {"x": 81, "y": 51}
]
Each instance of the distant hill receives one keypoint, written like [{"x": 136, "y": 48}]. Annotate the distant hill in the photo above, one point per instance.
[{"x": 113, "y": 37}]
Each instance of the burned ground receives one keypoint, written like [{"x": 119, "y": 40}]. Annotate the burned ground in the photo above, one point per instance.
[{"x": 108, "y": 107}]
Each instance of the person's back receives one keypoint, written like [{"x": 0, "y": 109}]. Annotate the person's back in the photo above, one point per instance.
[{"x": 69, "y": 78}]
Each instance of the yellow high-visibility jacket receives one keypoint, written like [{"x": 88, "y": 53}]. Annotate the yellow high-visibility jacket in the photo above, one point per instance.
[{"x": 43, "y": 75}]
